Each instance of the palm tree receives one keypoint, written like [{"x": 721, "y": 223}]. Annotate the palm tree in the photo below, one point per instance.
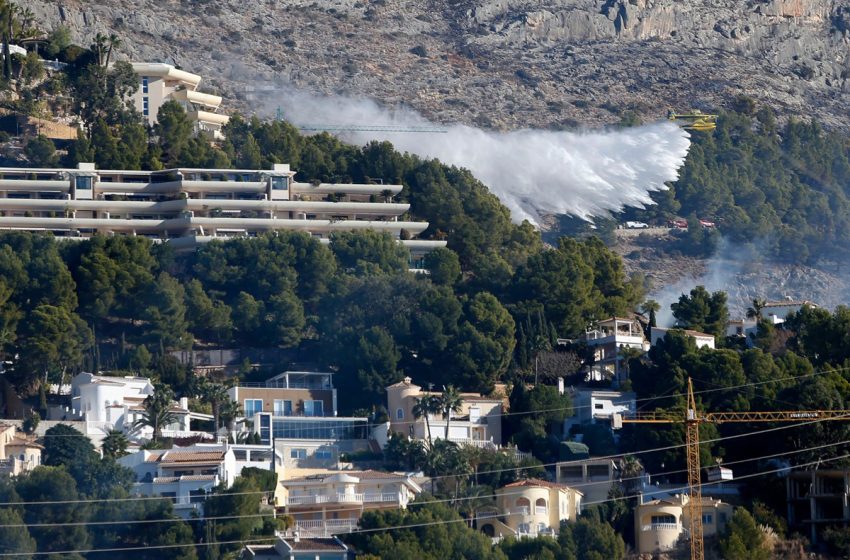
[
  {"x": 157, "y": 411},
  {"x": 113, "y": 42},
  {"x": 7, "y": 15},
  {"x": 228, "y": 412},
  {"x": 630, "y": 471},
  {"x": 754, "y": 312},
  {"x": 99, "y": 47},
  {"x": 424, "y": 407},
  {"x": 115, "y": 444},
  {"x": 450, "y": 401},
  {"x": 216, "y": 395}
]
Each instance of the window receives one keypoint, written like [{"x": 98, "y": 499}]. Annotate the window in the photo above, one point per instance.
[
  {"x": 144, "y": 84},
  {"x": 723, "y": 518},
  {"x": 707, "y": 519},
  {"x": 282, "y": 407},
  {"x": 324, "y": 454},
  {"x": 657, "y": 519},
  {"x": 297, "y": 453},
  {"x": 474, "y": 414},
  {"x": 598, "y": 406},
  {"x": 278, "y": 183},
  {"x": 145, "y": 107},
  {"x": 313, "y": 408},
  {"x": 399, "y": 414},
  {"x": 83, "y": 183},
  {"x": 253, "y": 406}
]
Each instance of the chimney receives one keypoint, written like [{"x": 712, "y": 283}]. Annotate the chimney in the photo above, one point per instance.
[{"x": 184, "y": 403}]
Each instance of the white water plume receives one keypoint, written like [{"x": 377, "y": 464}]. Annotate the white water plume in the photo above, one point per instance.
[{"x": 533, "y": 172}]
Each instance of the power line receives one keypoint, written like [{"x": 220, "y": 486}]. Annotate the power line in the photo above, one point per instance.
[
  {"x": 431, "y": 501},
  {"x": 438, "y": 477}
]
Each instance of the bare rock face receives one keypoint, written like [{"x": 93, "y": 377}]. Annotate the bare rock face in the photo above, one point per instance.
[{"x": 499, "y": 63}]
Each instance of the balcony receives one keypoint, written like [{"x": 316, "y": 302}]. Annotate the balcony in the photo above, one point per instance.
[
  {"x": 393, "y": 497},
  {"x": 325, "y": 528},
  {"x": 524, "y": 510},
  {"x": 661, "y": 527},
  {"x": 541, "y": 510}
]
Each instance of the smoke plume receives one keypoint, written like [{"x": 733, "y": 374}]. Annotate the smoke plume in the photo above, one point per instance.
[{"x": 533, "y": 172}]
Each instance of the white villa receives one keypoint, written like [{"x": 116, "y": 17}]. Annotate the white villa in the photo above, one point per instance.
[
  {"x": 186, "y": 475},
  {"x": 188, "y": 206},
  {"x": 702, "y": 340},
  {"x": 159, "y": 83},
  {"x": 115, "y": 403},
  {"x": 331, "y": 502}
]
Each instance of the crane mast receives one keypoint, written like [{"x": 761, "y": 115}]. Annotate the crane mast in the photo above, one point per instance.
[{"x": 692, "y": 419}]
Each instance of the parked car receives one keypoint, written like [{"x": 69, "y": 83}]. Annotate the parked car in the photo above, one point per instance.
[
  {"x": 636, "y": 225},
  {"x": 707, "y": 223},
  {"x": 678, "y": 224}
]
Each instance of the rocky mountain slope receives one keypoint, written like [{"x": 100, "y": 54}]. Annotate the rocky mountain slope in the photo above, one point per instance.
[{"x": 497, "y": 63}]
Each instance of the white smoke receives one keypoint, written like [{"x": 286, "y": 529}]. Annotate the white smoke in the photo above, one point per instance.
[{"x": 533, "y": 172}]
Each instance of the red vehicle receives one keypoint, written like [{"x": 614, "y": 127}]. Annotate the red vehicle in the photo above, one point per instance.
[
  {"x": 678, "y": 224},
  {"x": 707, "y": 223}
]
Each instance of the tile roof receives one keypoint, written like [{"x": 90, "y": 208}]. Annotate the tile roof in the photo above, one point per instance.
[
  {"x": 191, "y": 456},
  {"x": 19, "y": 441}
]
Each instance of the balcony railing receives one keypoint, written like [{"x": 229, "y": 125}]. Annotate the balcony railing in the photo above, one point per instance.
[
  {"x": 325, "y": 528},
  {"x": 343, "y": 499},
  {"x": 661, "y": 527},
  {"x": 541, "y": 510},
  {"x": 524, "y": 510}
]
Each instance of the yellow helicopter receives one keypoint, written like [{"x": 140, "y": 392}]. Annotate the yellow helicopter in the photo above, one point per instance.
[{"x": 695, "y": 120}]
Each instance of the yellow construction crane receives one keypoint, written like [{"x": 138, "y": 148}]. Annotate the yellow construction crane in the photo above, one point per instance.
[{"x": 692, "y": 419}]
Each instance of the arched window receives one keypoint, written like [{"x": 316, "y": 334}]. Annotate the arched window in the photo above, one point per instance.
[
  {"x": 540, "y": 507},
  {"x": 523, "y": 503},
  {"x": 399, "y": 414}
]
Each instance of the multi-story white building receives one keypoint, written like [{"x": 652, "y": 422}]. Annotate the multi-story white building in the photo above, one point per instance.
[
  {"x": 189, "y": 206},
  {"x": 590, "y": 405},
  {"x": 186, "y": 475},
  {"x": 116, "y": 403},
  {"x": 160, "y": 83},
  {"x": 478, "y": 423},
  {"x": 608, "y": 338}
]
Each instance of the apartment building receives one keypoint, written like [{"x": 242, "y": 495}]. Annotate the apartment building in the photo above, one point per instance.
[
  {"x": 661, "y": 522},
  {"x": 531, "y": 508},
  {"x": 478, "y": 423},
  {"x": 18, "y": 453},
  {"x": 331, "y": 502},
  {"x": 189, "y": 206},
  {"x": 608, "y": 338},
  {"x": 186, "y": 475},
  {"x": 160, "y": 83}
]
